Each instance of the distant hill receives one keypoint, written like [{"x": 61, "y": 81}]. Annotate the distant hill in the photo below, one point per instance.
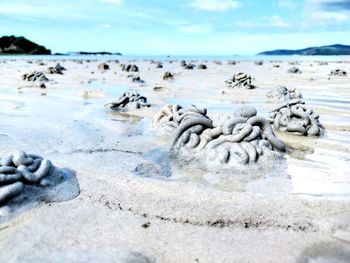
[
  {"x": 21, "y": 45},
  {"x": 93, "y": 53},
  {"x": 311, "y": 51}
]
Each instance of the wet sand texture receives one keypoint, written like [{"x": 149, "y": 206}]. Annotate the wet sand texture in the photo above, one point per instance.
[{"x": 149, "y": 196}]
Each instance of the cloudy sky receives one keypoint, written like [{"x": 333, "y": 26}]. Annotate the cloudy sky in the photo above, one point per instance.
[{"x": 177, "y": 27}]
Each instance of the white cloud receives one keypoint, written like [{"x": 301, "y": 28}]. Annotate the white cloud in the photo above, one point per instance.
[
  {"x": 324, "y": 16},
  {"x": 41, "y": 9},
  {"x": 288, "y": 4},
  {"x": 274, "y": 21},
  {"x": 114, "y": 2},
  {"x": 105, "y": 26},
  {"x": 277, "y": 21},
  {"x": 329, "y": 4},
  {"x": 245, "y": 24},
  {"x": 327, "y": 11},
  {"x": 214, "y": 5},
  {"x": 195, "y": 28}
]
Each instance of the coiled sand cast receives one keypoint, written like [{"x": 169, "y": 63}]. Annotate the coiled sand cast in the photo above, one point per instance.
[{"x": 239, "y": 140}]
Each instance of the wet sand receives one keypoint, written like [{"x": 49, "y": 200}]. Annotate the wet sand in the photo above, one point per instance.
[{"x": 299, "y": 212}]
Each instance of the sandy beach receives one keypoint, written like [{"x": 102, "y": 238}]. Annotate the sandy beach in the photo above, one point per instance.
[{"x": 137, "y": 203}]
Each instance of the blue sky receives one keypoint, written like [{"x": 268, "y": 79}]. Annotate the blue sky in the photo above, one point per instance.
[{"x": 177, "y": 27}]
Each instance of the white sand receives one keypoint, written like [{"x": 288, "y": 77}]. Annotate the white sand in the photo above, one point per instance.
[{"x": 301, "y": 214}]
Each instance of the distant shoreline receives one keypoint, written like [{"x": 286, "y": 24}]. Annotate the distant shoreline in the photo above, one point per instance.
[{"x": 204, "y": 58}]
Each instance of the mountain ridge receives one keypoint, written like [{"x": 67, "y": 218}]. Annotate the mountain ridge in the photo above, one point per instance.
[{"x": 329, "y": 50}]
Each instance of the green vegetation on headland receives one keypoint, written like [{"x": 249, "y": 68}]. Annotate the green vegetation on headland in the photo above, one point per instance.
[
  {"x": 20, "y": 45},
  {"x": 336, "y": 49}
]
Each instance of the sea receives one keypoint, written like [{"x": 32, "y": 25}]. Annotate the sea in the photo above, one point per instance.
[{"x": 177, "y": 57}]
